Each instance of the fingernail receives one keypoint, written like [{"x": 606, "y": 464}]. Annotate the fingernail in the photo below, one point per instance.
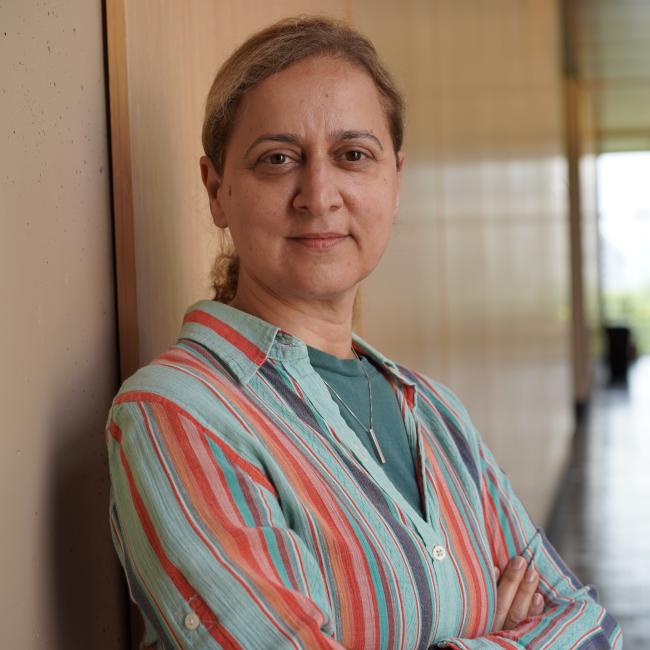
[
  {"x": 518, "y": 563},
  {"x": 538, "y": 602},
  {"x": 531, "y": 574}
]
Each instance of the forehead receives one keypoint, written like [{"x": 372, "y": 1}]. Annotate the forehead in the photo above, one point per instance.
[{"x": 318, "y": 92}]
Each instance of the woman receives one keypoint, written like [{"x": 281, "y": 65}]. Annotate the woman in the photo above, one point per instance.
[{"x": 276, "y": 481}]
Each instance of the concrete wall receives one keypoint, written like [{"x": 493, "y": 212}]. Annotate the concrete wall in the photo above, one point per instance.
[{"x": 60, "y": 586}]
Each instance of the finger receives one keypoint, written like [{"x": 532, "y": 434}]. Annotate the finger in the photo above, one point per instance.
[
  {"x": 507, "y": 588},
  {"x": 537, "y": 606},
  {"x": 523, "y": 599},
  {"x": 497, "y": 573}
]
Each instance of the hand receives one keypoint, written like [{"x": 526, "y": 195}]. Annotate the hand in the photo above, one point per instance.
[{"x": 516, "y": 597}]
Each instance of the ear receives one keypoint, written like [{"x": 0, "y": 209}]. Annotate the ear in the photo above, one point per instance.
[{"x": 213, "y": 185}]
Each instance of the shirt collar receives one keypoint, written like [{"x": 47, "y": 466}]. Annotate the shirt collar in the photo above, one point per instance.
[{"x": 243, "y": 342}]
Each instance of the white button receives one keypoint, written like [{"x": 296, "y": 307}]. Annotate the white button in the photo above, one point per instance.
[
  {"x": 192, "y": 621},
  {"x": 439, "y": 553}
]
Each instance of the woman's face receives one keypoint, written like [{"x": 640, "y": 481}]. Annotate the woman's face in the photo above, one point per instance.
[{"x": 310, "y": 183}]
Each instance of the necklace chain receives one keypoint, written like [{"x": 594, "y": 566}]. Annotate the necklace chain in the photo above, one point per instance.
[{"x": 370, "y": 431}]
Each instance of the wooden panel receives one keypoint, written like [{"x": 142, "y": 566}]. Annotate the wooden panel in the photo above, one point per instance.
[
  {"x": 405, "y": 317},
  {"x": 120, "y": 129},
  {"x": 474, "y": 288},
  {"x": 581, "y": 147}
]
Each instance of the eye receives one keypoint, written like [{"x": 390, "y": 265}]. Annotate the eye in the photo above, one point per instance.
[
  {"x": 276, "y": 158},
  {"x": 277, "y": 162},
  {"x": 354, "y": 155}
]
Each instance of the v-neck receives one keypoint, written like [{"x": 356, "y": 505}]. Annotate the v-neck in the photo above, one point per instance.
[{"x": 316, "y": 392}]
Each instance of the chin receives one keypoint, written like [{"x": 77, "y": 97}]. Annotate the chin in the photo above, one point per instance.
[{"x": 323, "y": 290}]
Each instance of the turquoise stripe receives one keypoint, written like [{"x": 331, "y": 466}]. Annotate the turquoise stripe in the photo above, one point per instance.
[{"x": 233, "y": 483}]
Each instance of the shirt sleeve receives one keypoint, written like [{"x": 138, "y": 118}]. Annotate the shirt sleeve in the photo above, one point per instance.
[
  {"x": 572, "y": 617},
  {"x": 209, "y": 558}
]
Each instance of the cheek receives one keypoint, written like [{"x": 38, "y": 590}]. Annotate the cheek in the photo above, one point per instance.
[
  {"x": 383, "y": 237},
  {"x": 253, "y": 216},
  {"x": 380, "y": 237},
  {"x": 378, "y": 214},
  {"x": 263, "y": 203}
]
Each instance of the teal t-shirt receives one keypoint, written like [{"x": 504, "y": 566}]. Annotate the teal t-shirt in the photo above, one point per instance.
[{"x": 347, "y": 378}]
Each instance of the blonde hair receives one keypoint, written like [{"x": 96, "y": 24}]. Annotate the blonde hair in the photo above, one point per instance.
[{"x": 267, "y": 52}]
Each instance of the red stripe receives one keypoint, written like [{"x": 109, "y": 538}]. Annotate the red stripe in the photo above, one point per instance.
[
  {"x": 235, "y": 459},
  {"x": 464, "y": 543},
  {"x": 504, "y": 509},
  {"x": 307, "y": 618},
  {"x": 551, "y": 631},
  {"x": 496, "y": 536},
  {"x": 335, "y": 521},
  {"x": 228, "y": 333},
  {"x": 199, "y": 533},
  {"x": 115, "y": 431},
  {"x": 163, "y": 618},
  {"x": 199, "y": 606},
  {"x": 206, "y": 488}
]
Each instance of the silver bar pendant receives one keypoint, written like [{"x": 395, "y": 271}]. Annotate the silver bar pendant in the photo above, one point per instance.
[{"x": 375, "y": 443}]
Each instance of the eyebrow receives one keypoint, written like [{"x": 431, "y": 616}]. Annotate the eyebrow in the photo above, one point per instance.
[
  {"x": 357, "y": 135},
  {"x": 292, "y": 138},
  {"x": 273, "y": 137}
]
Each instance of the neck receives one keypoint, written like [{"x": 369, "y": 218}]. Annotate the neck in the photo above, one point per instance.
[{"x": 323, "y": 324}]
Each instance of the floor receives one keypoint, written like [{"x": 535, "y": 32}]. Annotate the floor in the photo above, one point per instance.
[{"x": 602, "y": 520}]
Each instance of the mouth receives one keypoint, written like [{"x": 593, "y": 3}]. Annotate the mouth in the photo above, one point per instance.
[{"x": 320, "y": 240}]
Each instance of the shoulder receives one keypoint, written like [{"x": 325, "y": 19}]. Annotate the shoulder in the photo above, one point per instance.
[
  {"x": 185, "y": 393},
  {"x": 186, "y": 377}
]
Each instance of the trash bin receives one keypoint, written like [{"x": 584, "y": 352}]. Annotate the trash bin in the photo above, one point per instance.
[{"x": 618, "y": 352}]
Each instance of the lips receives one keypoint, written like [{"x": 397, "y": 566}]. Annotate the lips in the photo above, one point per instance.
[{"x": 320, "y": 240}]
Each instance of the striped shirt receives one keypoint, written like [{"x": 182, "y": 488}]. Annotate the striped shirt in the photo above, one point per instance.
[{"x": 247, "y": 514}]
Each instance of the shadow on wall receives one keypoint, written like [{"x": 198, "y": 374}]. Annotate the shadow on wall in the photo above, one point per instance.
[{"x": 84, "y": 584}]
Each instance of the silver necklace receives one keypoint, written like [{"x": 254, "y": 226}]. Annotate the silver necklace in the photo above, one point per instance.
[{"x": 370, "y": 431}]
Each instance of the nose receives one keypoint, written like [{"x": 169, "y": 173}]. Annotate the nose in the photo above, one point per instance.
[{"x": 318, "y": 193}]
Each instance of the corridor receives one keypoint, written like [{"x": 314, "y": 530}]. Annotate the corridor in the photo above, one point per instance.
[{"x": 602, "y": 525}]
